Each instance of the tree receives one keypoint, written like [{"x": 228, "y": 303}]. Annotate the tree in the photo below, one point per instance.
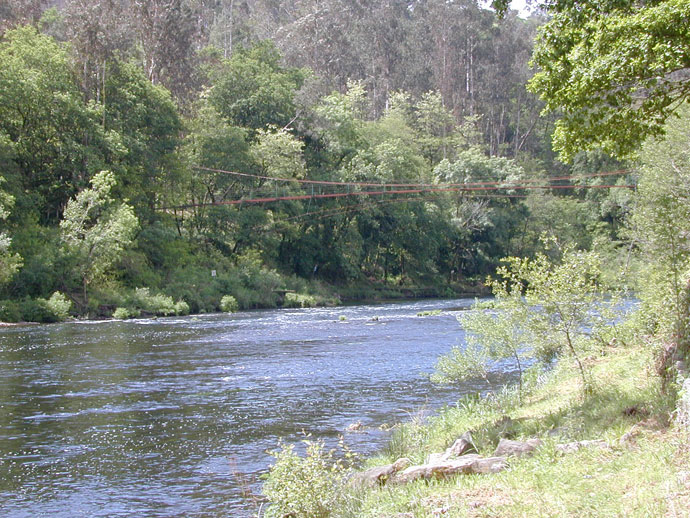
[
  {"x": 16, "y": 12},
  {"x": 143, "y": 128},
  {"x": 96, "y": 230},
  {"x": 166, "y": 33},
  {"x": 615, "y": 70},
  {"x": 97, "y": 31},
  {"x": 56, "y": 138},
  {"x": 253, "y": 90},
  {"x": 278, "y": 153},
  {"x": 659, "y": 225},
  {"x": 491, "y": 335},
  {"x": 544, "y": 308},
  {"x": 9, "y": 262}
]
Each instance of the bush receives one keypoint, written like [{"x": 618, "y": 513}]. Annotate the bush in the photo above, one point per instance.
[
  {"x": 542, "y": 309},
  {"x": 157, "y": 304},
  {"x": 143, "y": 301},
  {"x": 299, "y": 300},
  {"x": 45, "y": 311},
  {"x": 229, "y": 304},
  {"x": 309, "y": 486},
  {"x": 59, "y": 305},
  {"x": 125, "y": 313},
  {"x": 181, "y": 308},
  {"x": 9, "y": 311}
]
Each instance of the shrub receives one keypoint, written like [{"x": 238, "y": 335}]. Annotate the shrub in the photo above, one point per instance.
[
  {"x": 37, "y": 310},
  {"x": 542, "y": 309},
  {"x": 143, "y": 301},
  {"x": 59, "y": 305},
  {"x": 229, "y": 304},
  {"x": 9, "y": 311},
  {"x": 181, "y": 308},
  {"x": 157, "y": 303},
  {"x": 124, "y": 313},
  {"x": 309, "y": 486},
  {"x": 299, "y": 300}
]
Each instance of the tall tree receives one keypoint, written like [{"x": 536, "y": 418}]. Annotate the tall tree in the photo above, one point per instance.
[
  {"x": 98, "y": 33},
  {"x": 614, "y": 69},
  {"x": 57, "y": 140},
  {"x": 20, "y": 12},
  {"x": 167, "y": 30}
]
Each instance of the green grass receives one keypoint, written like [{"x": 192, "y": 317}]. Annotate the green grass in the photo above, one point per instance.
[{"x": 637, "y": 477}]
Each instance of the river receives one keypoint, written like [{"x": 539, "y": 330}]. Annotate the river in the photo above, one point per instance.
[{"x": 156, "y": 418}]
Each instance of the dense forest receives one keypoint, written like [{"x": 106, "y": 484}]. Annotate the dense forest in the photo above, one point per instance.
[{"x": 136, "y": 137}]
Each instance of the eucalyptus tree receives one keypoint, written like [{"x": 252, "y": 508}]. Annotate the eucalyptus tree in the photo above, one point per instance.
[
  {"x": 98, "y": 32},
  {"x": 20, "y": 12},
  {"x": 166, "y": 31}
]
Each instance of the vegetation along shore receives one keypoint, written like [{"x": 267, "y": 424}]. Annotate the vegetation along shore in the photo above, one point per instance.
[{"x": 167, "y": 157}]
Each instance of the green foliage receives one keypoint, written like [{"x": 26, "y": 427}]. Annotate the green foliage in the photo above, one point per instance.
[
  {"x": 309, "y": 486},
  {"x": 491, "y": 335},
  {"x": 96, "y": 230},
  {"x": 55, "y": 136},
  {"x": 10, "y": 311},
  {"x": 278, "y": 153},
  {"x": 54, "y": 309},
  {"x": 143, "y": 132},
  {"x": 615, "y": 71},
  {"x": 229, "y": 304},
  {"x": 659, "y": 225},
  {"x": 461, "y": 364},
  {"x": 9, "y": 262},
  {"x": 542, "y": 308},
  {"x": 143, "y": 301},
  {"x": 125, "y": 313},
  {"x": 59, "y": 305},
  {"x": 429, "y": 313},
  {"x": 342, "y": 118},
  {"x": 253, "y": 90},
  {"x": 566, "y": 218},
  {"x": 299, "y": 300}
]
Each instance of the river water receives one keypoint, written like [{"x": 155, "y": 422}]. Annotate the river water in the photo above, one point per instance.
[{"x": 163, "y": 418}]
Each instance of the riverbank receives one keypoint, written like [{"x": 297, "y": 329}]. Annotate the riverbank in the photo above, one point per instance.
[
  {"x": 638, "y": 464},
  {"x": 144, "y": 302}
]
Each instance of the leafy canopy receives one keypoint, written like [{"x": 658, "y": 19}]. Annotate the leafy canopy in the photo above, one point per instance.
[{"x": 615, "y": 70}]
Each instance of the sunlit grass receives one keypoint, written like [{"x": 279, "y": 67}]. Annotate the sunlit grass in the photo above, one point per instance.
[{"x": 640, "y": 474}]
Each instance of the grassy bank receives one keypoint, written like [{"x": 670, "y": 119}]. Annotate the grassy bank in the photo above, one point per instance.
[{"x": 644, "y": 471}]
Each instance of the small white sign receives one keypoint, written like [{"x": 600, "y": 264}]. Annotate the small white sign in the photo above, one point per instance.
[{"x": 213, "y": 273}]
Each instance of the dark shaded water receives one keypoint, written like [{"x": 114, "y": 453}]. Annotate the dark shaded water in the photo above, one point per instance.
[{"x": 146, "y": 418}]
